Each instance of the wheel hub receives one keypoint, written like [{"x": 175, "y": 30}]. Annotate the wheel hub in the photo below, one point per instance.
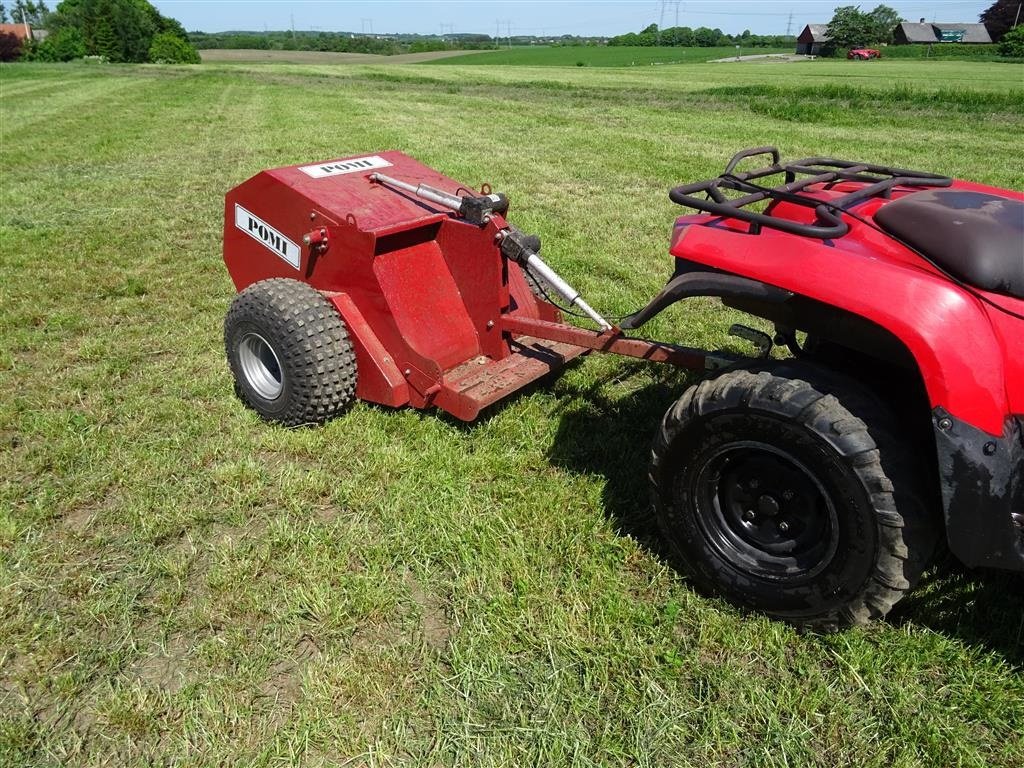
[
  {"x": 766, "y": 512},
  {"x": 260, "y": 366}
]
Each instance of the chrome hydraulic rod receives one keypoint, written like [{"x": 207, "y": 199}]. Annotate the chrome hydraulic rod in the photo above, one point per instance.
[
  {"x": 534, "y": 263},
  {"x": 453, "y": 202}
]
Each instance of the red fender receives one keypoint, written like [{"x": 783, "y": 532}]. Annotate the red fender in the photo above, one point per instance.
[{"x": 930, "y": 315}]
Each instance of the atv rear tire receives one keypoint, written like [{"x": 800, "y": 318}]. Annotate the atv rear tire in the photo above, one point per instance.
[
  {"x": 782, "y": 488},
  {"x": 290, "y": 353}
]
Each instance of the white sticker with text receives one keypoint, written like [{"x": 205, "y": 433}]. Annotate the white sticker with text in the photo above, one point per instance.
[
  {"x": 263, "y": 233},
  {"x": 338, "y": 167}
]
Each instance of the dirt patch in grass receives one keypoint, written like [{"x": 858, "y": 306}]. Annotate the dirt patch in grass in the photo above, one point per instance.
[
  {"x": 434, "y": 622},
  {"x": 166, "y": 667}
]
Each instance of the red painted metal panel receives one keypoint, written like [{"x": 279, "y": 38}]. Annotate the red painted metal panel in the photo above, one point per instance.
[
  {"x": 481, "y": 382},
  {"x": 379, "y": 379},
  {"x": 425, "y": 304},
  {"x": 910, "y": 300}
]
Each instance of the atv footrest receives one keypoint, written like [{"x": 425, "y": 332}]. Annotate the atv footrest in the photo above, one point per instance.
[{"x": 480, "y": 382}]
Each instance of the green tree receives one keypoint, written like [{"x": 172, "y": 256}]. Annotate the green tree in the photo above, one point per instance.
[
  {"x": 65, "y": 44},
  {"x": 121, "y": 30},
  {"x": 850, "y": 28},
  {"x": 104, "y": 41},
  {"x": 1000, "y": 17},
  {"x": 885, "y": 20},
  {"x": 3, "y": 14},
  {"x": 32, "y": 13},
  {"x": 168, "y": 48},
  {"x": 1012, "y": 43}
]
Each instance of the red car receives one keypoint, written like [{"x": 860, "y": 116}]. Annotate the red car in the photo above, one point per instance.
[{"x": 863, "y": 54}]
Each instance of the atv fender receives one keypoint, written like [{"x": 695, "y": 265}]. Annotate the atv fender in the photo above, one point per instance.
[{"x": 944, "y": 328}]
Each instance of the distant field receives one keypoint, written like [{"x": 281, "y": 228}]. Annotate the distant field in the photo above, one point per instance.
[
  {"x": 601, "y": 56},
  {"x": 246, "y": 55},
  {"x": 183, "y": 585}
]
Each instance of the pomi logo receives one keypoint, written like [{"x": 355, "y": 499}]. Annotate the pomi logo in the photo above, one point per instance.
[{"x": 269, "y": 237}]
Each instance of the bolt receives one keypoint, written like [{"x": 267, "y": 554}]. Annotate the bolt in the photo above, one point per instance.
[
  {"x": 305, "y": 239},
  {"x": 490, "y": 324},
  {"x": 749, "y": 515},
  {"x": 989, "y": 449},
  {"x": 312, "y": 215},
  {"x": 945, "y": 423},
  {"x": 788, "y": 495},
  {"x": 783, "y": 526},
  {"x": 407, "y": 372}
]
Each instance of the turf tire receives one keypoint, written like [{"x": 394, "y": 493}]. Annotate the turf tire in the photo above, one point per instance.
[
  {"x": 313, "y": 366},
  {"x": 880, "y": 532}
]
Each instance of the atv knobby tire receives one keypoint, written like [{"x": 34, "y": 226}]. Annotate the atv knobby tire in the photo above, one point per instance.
[
  {"x": 783, "y": 488},
  {"x": 290, "y": 353}
]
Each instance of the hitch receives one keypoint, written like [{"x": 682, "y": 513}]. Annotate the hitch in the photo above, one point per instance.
[{"x": 762, "y": 341}]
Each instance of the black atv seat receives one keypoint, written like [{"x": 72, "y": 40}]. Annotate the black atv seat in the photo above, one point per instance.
[{"x": 975, "y": 236}]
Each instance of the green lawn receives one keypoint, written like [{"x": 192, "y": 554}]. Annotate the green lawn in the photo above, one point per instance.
[
  {"x": 600, "y": 56},
  {"x": 181, "y": 584}
]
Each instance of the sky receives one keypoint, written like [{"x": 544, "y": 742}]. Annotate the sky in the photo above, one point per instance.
[{"x": 538, "y": 17}]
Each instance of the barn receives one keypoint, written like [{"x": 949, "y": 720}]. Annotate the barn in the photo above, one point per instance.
[
  {"x": 939, "y": 32},
  {"x": 20, "y": 31},
  {"x": 813, "y": 37}
]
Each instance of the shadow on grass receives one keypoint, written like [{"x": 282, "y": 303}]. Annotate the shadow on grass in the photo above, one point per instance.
[
  {"x": 611, "y": 438},
  {"x": 598, "y": 435},
  {"x": 982, "y": 608}
]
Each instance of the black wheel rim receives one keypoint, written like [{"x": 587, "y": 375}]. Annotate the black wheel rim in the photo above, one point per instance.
[{"x": 765, "y": 512}]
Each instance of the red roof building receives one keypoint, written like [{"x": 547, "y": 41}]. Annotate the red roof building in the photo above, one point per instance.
[{"x": 20, "y": 31}]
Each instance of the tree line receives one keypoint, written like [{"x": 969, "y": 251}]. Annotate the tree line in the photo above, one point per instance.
[
  {"x": 701, "y": 37},
  {"x": 116, "y": 30},
  {"x": 339, "y": 42}
]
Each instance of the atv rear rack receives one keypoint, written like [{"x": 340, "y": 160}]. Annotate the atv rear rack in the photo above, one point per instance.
[{"x": 879, "y": 181}]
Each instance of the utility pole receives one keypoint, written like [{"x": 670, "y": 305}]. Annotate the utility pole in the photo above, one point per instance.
[
  {"x": 497, "y": 32},
  {"x": 661, "y": 21},
  {"x": 293, "y": 27},
  {"x": 365, "y": 23},
  {"x": 678, "y": 3},
  {"x": 789, "y": 25}
]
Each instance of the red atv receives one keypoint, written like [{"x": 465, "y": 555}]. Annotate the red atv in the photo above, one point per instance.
[
  {"x": 814, "y": 488},
  {"x": 863, "y": 54}
]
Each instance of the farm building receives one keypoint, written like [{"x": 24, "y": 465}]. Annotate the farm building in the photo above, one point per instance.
[
  {"x": 20, "y": 31},
  {"x": 939, "y": 32},
  {"x": 810, "y": 41}
]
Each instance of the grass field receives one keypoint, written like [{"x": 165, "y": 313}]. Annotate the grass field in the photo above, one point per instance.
[
  {"x": 181, "y": 584},
  {"x": 249, "y": 55},
  {"x": 599, "y": 56}
]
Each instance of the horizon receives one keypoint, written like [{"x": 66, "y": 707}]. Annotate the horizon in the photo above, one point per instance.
[{"x": 534, "y": 17}]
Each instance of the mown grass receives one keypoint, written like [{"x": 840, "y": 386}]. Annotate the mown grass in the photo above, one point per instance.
[
  {"x": 181, "y": 584},
  {"x": 599, "y": 56}
]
